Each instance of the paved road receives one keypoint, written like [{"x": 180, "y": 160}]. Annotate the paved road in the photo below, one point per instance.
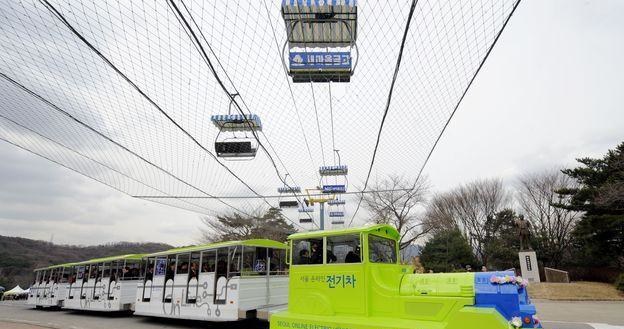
[
  {"x": 554, "y": 315},
  {"x": 580, "y": 315}
]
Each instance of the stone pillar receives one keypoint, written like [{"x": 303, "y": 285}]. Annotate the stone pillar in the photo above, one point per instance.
[{"x": 528, "y": 266}]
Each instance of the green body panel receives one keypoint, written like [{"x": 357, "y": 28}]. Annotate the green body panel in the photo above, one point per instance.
[
  {"x": 461, "y": 318},
  {"x": 379, "y": 295}
]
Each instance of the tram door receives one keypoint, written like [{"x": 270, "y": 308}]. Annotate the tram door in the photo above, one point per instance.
[
  {"x": 221, "y": 272},
  {"x": 56, "y": 277},
  {"x": 71, "y": 282},
  {"x": 102, "y": 285},
  {"x": 85, "y": 282},
  {"x": 207, "y": 275},
  {"x": 44, "y": 284},
  {"x": 169, "y": 279},
  {"x": 94, "y": 273},
  {"x": 181, "y": 278},
  {"x": 192, "y": 282},
  {"x": 95, "y": 281},
  {"x": 148, "y": 279},
  {"x": 158, "y": 283},
  {"x": 113, "y": 278},
  {"x": 80, "y": 279},
  {"x": 35, "y": 286}
]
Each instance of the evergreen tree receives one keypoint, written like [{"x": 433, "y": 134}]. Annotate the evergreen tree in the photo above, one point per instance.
[
  {"x": 599, "y": 235},
  {"x": 447, "y": 251},
  {"x": 502, "y": 248}
]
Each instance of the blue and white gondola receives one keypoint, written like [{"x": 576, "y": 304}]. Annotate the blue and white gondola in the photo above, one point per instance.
[
  {"x": 306, "y": 209},
  {"x": 338, "y": 170},
  {"x": 230, "y": 144},
  {"x": 288, "y": 189},
  {"x": 321, "y": 37}
]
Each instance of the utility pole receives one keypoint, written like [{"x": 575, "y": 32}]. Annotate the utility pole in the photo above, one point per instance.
[
  {"x": 315, "y": 195},
  {"x": 322, "y": 215}
]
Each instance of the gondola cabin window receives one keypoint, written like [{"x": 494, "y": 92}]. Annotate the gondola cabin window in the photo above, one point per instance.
[
  {"x": 382, "y": 250},
  {"x": 208, "y": 261}
]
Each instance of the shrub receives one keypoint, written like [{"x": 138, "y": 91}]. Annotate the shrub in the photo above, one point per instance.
[{"x": 619, "y": 282}]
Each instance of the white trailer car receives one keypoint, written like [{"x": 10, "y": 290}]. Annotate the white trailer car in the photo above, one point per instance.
[
  {"x": 224, "y": 281},
  {"x": 104, "y": 284}
]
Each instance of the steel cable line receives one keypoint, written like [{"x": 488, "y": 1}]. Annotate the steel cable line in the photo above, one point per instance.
[
  {"x": 90, "y": 128},
  {"x": 199, "y": 48},
  {"x": 474, "y": 76},
  {"x": 201, "y": 33},
  {"x": 383, "y": 119},
  {"x": 318, "y": 125},
  {"x": 222, "y": 85},
  {"x": 90, "y": 159},
  {"x": 292, "y": 95},
  {"x": 268, "y": 196},
  {"x": 60, "y": 16},
  {"x": 331, "y": 117}
]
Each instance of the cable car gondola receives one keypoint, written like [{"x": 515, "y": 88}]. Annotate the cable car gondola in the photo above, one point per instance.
[
  {"x": 236, "y": 140},
  {"x": 304, "y": 214},
  {"x": 337, "y": 211},
  {"x": 286, "y": 189},
  {"x": 321, "y": 38},
  {"x": 288, "y": 204},
  {"x": 334, "y": 178},
  {"x": 233, "y": 140}
]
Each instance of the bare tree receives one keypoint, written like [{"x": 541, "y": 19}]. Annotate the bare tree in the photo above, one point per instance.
[
  {"x": 551, "y": 225},
  {"x": 472, "y": 208},
  {"x": 440, "y": 215},
  {"x": 261, "y": 223},
  {"x": 395, "y": 202}
]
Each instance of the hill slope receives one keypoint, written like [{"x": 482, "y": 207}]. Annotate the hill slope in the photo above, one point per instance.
[{"x": 19, "y": 256}]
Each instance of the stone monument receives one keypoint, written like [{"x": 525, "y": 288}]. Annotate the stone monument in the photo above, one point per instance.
[{"x": 528, "y": 258}]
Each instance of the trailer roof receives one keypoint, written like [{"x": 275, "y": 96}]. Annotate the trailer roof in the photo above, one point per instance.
[
  {"x": 382, "y": 229},
  {"x": 252, "y": 243}
]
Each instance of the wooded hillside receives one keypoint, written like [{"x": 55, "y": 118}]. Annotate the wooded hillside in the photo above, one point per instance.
[{"x": 19, "y": 256}]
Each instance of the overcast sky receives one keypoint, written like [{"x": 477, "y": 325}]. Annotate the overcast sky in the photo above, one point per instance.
[{"x": 550, "y": 92}]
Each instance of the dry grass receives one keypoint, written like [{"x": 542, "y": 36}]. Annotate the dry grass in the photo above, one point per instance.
[{"x": 575, "y": 291}]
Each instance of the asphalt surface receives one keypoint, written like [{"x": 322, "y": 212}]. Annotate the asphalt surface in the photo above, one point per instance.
[{"x": 554, "y": 315}]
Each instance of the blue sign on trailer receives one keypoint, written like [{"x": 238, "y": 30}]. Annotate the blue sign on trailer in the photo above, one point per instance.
[{"x": 320, "y": 60}]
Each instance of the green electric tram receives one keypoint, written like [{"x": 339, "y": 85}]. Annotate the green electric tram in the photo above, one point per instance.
[{"x": 352, "y": 278}]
